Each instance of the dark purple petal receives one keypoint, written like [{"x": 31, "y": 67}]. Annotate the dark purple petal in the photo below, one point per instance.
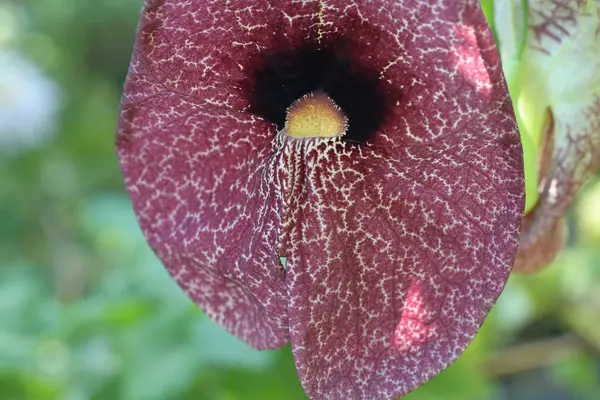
[
  {"x": 400, "y": 249},
  {"x": 214, "y": 228},
  {"x": 396, "y": 247}
]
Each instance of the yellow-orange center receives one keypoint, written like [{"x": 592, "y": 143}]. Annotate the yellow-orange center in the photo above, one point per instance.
[{"x": 315, "y": 115}]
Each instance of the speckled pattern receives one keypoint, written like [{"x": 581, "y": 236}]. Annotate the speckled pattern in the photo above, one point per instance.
[{"x": 396, "y": 249}]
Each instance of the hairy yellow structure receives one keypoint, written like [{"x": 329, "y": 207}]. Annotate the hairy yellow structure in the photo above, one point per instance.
[{"x": 315, "y": 115}]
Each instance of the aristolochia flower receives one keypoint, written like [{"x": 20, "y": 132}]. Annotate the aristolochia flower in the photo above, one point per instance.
[
  {"x": 29, "y": 102},
  {"x": 556, "y": 76},
  {"x": 371, "y": 144}
]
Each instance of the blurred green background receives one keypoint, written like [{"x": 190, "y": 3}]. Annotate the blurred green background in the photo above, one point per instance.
[{"x": 86, "y": 310}]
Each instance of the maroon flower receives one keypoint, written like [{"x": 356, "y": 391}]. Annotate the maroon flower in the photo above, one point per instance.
[{"x": 398, "y": 231}]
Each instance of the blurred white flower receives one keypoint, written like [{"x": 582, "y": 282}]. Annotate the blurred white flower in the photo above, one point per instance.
[{"x": 29, "y": 103}]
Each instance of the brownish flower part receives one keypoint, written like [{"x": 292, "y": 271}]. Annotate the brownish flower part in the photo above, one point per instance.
[
  {"x": 537, "y": 257},
  {"x": 539, "y": 247},
  {"x": 563, "y": 48}
]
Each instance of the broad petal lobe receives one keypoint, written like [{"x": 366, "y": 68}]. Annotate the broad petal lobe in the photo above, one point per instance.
[
  {"x": 396, "y": 247},
  {"x": 214, "y": 228},
  {"x": 399, "y": 253},
  {"x": 390, "y": 280}
]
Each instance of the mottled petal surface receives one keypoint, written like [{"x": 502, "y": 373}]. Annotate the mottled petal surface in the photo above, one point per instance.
[
  {"x": 213, "y": 228},
  {"x": 401, "y": 248},
  {"x": 396, "y": 248}
]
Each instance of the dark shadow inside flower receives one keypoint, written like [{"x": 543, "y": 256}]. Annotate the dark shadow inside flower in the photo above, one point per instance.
[{"x": 278, "y": 78}]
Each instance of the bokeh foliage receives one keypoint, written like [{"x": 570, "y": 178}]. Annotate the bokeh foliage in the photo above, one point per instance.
[{"x": 87, "y": 312}]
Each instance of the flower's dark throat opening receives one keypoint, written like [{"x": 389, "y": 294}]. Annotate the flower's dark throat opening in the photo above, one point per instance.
[{"x": 320, "y": 90}]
